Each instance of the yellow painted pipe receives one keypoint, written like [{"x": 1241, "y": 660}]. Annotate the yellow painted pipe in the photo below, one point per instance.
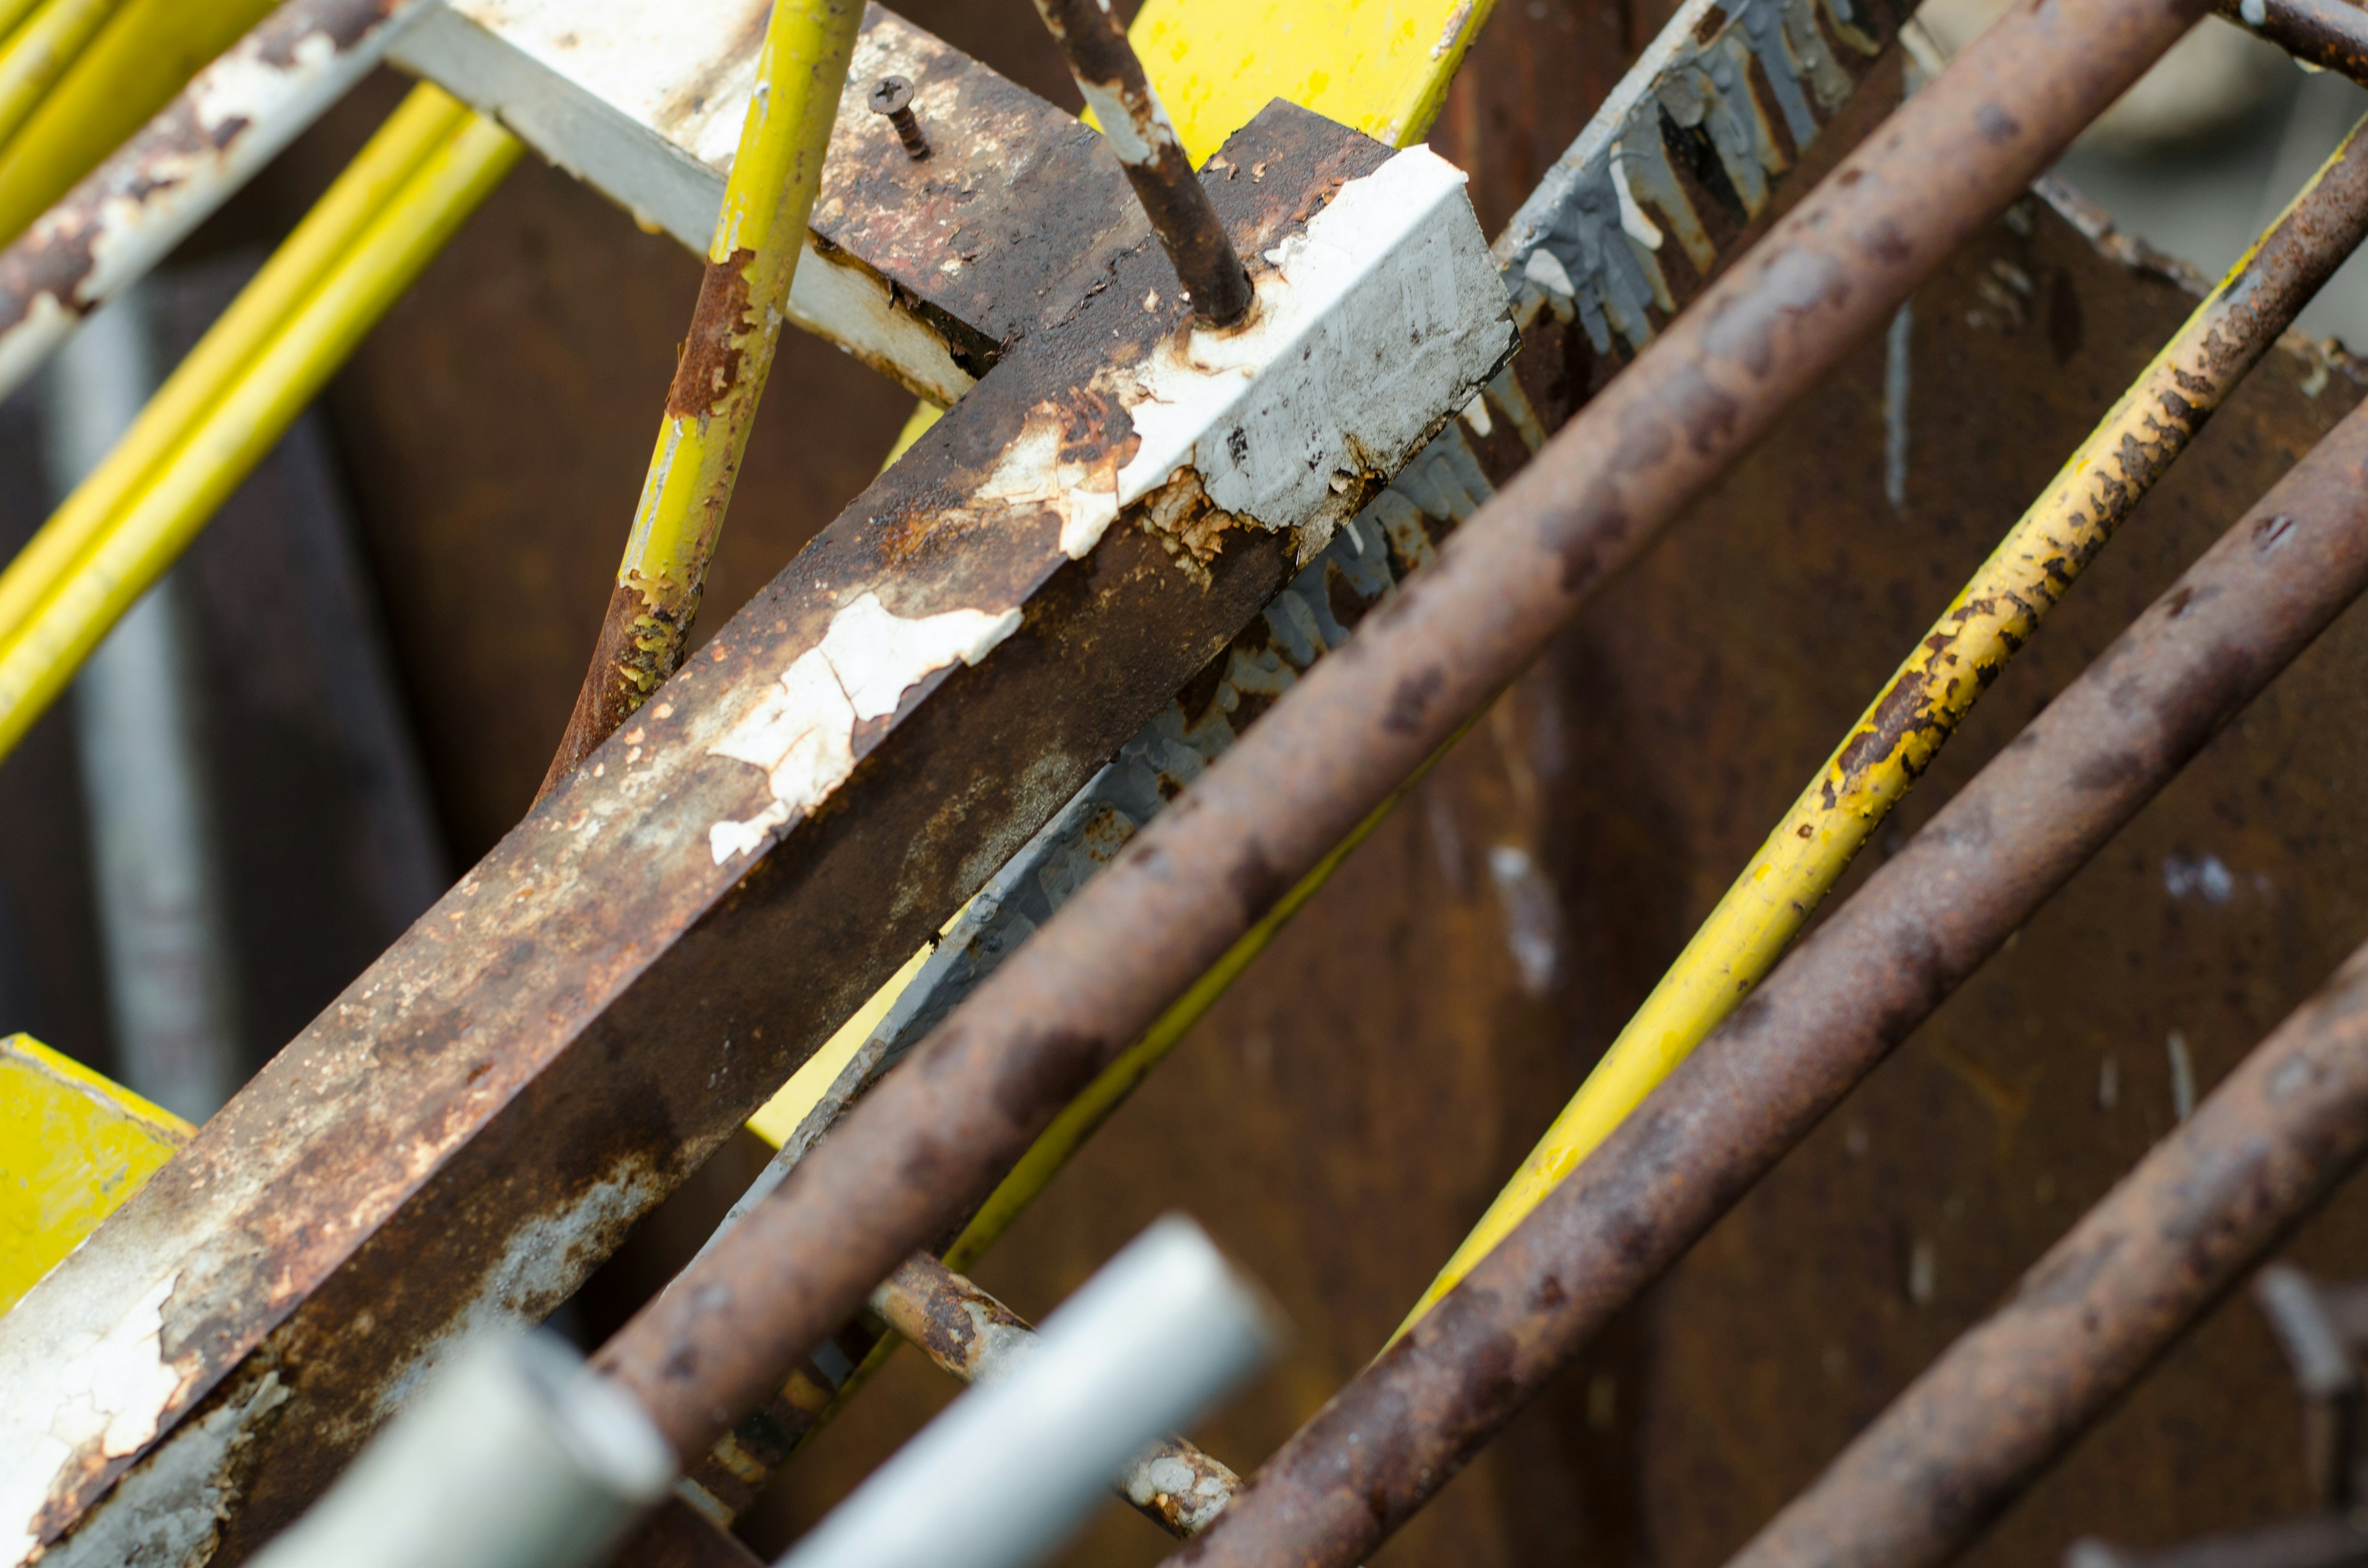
[
  {"x": 230, "y": 433},
  {"x": 425, "y": 122},
  {"x": 1898, "y": 737},
  {"x": 38, "y": 53},
  {"x": 143, "y": 55},
  {"x": 12, "y": 14},
  {"x": 743, "y": 300}
]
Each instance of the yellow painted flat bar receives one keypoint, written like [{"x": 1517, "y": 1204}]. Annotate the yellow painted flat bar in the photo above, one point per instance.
[
  {"x": 1381, "y": 66},
  {"x": 72, "y": 1147}
]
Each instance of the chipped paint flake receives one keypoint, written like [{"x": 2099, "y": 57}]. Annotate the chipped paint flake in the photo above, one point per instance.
[
  {"x": 99, "y": 1396},
  {"x": 801, "y": 734}
]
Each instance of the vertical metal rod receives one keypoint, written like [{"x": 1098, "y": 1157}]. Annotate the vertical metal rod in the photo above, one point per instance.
[
  {"x": 163, "y": 909},
  {"x": 1140, "y": 133},
  {"x": 2090, "y": 1318}
]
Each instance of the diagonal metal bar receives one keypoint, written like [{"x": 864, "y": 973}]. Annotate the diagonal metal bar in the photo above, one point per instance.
[
  {"x": 2090, "y": 1318},
  {"x": 1878, "y": 967},
  {"x": 481, "y": 1116},
  {"x": 1904, "y": 728},
  {"x": 934, "y": 1139}
]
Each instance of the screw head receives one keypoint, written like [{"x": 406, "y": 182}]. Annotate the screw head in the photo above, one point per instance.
[{"x": 891, "y": 95}]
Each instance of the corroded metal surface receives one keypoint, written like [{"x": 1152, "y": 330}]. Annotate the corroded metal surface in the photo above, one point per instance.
[
  {"x": 2330, "y": 34},
  {"x": 935, "y": 1137},
  {"x": 1825, "y": 1019},
  {"x": 925, "y": 269},
  {"x": 232, "y": 119},
  {"x": 2094, "y": 1315},
  {"x": 1110, "y": 77},
  {"x": 571, "y": 1027}
]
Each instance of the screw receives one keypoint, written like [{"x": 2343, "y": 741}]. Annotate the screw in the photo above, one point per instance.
[{"x": 893, "y": 96}]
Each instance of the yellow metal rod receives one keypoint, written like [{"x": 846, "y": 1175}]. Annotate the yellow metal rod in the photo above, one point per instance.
[
  {"x": 12, "y": 14},
  {"x": 139, "y": 58},
  {"x": 426, "y": 121},
  {"x": 232, "y": 434},
  {"x": 37, "y": 54},
  {"x": 1902, "y": 730},
  {"x": 741, "y": 301}
]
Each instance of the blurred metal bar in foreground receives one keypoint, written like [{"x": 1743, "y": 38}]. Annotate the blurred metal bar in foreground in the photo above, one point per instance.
[
  {"x": 1161, "y": 1332},
  {"x": 978, "y": 1339},
  {"x": 514, "y": 1457},
  {"x": 163, "y": 914}
]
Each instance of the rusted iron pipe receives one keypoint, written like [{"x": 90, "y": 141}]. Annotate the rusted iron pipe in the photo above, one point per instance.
[
  {"x": 1140, "y": 133},
  {"x": 932, "y": 1140},
  {"x": 2330, "y": 34},
  {"x": 2012, "y": 1394},
  {"x": 970, "y": 1333},
  {"x": 1825, "y": 1019}
]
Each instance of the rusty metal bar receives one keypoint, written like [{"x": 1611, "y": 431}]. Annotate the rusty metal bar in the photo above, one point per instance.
[
  {"x": 1879, "y": 966},
  {"x": 476, "y": 1122},
  {"x": 2090, "y": 1317},
  {"x": 970, "y": 1333},
  {"x": 2330, "y": 34},
  {"x": 1111, "y": 78},
  {"x": 1902, "y": 730},
  {"x": 232, "y": 119},
  {"x": 930, "y": 1142}
]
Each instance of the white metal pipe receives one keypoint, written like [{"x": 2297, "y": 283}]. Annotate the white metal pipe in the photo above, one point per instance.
[
  {"x": 163, "y": 912},
  {"x": 1161, "y": 1332},
  {"x": 518, "y": 1456}
]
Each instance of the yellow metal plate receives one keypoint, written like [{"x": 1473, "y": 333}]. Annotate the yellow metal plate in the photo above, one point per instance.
[
  {"x": 1382, "y": 66},
  {"x": 73, "y": 1146}
]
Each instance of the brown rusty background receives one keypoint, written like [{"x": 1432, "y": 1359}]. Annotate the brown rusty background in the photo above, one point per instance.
[{"x": 1348, "y": 1109}]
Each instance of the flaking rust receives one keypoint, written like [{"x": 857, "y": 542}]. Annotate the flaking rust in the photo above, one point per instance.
[{"x": 462, "y": 1135}]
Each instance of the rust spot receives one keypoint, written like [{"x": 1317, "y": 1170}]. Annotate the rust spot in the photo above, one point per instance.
[
  {"x": 1411, "y": 699},
  {"x": 1996, "y": 126},
  {"x": 1047, "y": 1071},
  {"x": 710, "y": 368},
  {"x": 1256, "y": 882}
]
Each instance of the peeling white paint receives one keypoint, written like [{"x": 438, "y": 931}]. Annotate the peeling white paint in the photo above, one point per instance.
[
  {"x": 1118, "y": 125},
  {"x": 98, "y": 1393},
  {"x": 801, "y": 734},
  {"x": 167, "y": 1512},
  {"x": 1383, "y": 312}
]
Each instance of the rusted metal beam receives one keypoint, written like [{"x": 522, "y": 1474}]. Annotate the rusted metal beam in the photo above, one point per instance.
[
  {"x": 975, "y": 1337},
  {"x": 576, "y": 1025},
  {"x": 1716, "y": 62},
  {"x": 2330, "y": 34},
  {"x": 1110, "y": 77},
  {"x": 1926, "y": 919},
  {"x": 2090, "y": 1317},
  {"x": 923, "y": 269},
  {"x": 933, "y": 1139}
]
